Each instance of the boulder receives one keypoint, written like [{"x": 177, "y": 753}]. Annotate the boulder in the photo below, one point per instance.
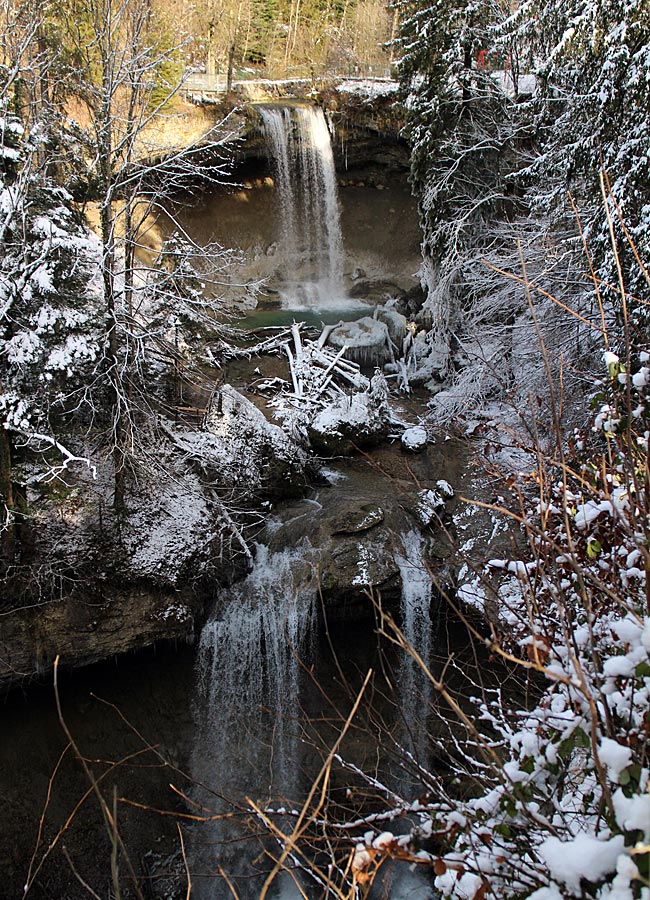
[
  {"x": 394, "y": 321},
  {"x": 354, "y": 567},
  {"x": 353, "y": 544},
  {"x": 429, "y": 508},
  {"x": 367, "y": 340},
  {"x": 361, "y": 419},
  {"x": 414, "y": 439},
  {"x": 241, "y": 449}
]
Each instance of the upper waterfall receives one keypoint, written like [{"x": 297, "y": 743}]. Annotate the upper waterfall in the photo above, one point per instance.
[{"x": 310, "y": 228}]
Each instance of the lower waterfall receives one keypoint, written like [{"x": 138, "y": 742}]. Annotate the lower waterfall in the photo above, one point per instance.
[
  {"x": 247, "y": 746},
  {"x": 414, "y": 686},
  {"x": 250, "y": 713}
]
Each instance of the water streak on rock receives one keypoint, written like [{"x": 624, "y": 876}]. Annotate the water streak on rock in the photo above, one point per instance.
[{"x": 417, "y": 627}]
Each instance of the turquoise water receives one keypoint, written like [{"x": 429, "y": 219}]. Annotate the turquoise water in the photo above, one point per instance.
[{"x": 315, "y": 318}]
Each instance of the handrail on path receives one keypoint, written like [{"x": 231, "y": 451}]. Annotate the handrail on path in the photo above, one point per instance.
[{"x": 202, "y": 83}]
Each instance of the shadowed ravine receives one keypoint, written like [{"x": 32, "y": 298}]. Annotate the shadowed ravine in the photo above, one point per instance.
[{"x": 254, "y": 708}]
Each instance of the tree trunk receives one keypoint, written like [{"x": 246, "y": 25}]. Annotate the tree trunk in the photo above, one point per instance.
[
  {"x": 467, "y": 63},
  {"x": 112, "y": 337},
  {"x": 231, "y": 64},
  {"x": 210, "y": 64},
  {"x": 8, "y": 533}
]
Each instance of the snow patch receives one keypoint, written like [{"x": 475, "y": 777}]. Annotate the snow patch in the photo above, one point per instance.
[{"x": 583, "y": 857}]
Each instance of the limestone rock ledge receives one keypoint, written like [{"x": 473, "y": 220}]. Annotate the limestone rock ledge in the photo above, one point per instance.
[{"x": 86, "y": 630}]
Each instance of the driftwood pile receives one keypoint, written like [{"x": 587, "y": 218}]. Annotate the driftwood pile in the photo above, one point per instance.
[{"x": 318, "y": 373}]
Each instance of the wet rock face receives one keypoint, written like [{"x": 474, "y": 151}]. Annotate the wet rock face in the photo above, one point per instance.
[
  {"x": 352, "y": 545},
  {"x": 354, "y": 574},
  {"x": 359, "y": 519},
  {"x": 85, "y": 630}
]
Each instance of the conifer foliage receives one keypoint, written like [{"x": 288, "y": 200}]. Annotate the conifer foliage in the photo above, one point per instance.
[
  {"x": 49, "y": 332},
  {"x": 461, "y": 129},
  {"x": 590, "y": 115}
]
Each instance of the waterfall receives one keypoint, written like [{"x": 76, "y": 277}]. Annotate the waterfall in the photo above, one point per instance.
[
  {"x": 249, "y": 672},
  {"x": 249, "y": 736},
  {"x": 415, "y": 688},
  {"x": 310, "y": 229}
]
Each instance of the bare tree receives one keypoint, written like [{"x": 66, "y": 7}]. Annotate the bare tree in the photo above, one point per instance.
[{"x": 127, "y": 83}]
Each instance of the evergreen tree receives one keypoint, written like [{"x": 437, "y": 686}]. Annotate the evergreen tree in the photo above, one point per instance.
[
  {"x": 593, "y": 74},
  {"x": 49, "y": 335},
  {"x": 264, "y": 18}
]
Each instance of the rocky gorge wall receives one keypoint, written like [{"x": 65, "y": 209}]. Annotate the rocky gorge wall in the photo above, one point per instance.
[{"x": 149, "y": 581}]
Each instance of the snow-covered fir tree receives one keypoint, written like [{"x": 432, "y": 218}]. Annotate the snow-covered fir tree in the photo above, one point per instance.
[
  {"x": 49, "y": 330},
  {"x": 592, "y": 64},
  {"x": 508, "y": 172}
]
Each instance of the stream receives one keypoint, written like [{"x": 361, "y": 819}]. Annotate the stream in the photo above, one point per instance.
[{"x": 250, "y": 711}]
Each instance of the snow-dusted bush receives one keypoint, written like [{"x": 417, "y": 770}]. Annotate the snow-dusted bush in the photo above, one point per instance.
[
  {"x": 525, "y": 295},
  {"x": 551, "y": 799}
]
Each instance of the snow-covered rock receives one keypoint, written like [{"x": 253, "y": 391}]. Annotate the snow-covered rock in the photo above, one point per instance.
[
  {"x": 242, "y": 449},
  {"x": 394, "y": 321},
  {"x": 167, "y": 527},
  {"x": 367, "y": 340},
  {"x": 432, "y": 360},
  {"x": 445, "y": 489},
  {"x": 414, "y": 439},
  {"x": 429, "y": 507},
  {"x": 361, "y": 419}
]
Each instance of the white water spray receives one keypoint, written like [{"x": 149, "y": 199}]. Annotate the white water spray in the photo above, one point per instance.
[
  {"x": 305, "y": 180},
  {"x": 249, "y": 672},
  {"x": 248, "y": 656},
  {"x": 415, "y": 687}
]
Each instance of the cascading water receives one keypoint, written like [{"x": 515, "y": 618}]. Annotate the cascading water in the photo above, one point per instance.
[
  {"x": 248, "y": 742},
  {"x": 415, "y": 687},
  {"x": 305, "y": 180},
  {"x": 249, "y": 684}
]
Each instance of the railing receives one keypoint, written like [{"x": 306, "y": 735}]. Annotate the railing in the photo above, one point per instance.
[{"x": 199, "y": 83}]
